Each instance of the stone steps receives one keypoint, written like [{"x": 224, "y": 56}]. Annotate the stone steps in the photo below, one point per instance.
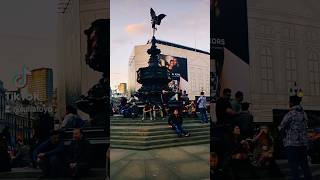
[
  {"x": 154, "y": 133},
  {"x": 134, "y": 134},
  {"x": 88, "y": 132},
  {"x": 147, "y": 122},
  {"x": 154, "y": 128},
  {"x": 157, "y": 137},
  {"x": 157, "y": 133},
  {"x": 147, "y": 119},
  {"x": 142, "y": 142},
  {"x": 158, "y": 146}
]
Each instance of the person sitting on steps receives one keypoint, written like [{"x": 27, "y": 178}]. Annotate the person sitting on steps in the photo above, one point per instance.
[
  {"x": 157, "y": 110},
  {"x": 147, "y": 110},
  {"x": 176, "y": 122}
]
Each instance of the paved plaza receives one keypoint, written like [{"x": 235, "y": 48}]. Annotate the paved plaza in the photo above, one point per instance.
[{"x": 175, "y": 163}]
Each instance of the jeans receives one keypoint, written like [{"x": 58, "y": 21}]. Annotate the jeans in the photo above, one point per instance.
[
  {"x": 145, "y": 113},
  {"x": 179, "y": 129},
  {"x": 297, "y": 157},
  {"x": 204, "y": 117},
  {"x": 157, "y": 112}
]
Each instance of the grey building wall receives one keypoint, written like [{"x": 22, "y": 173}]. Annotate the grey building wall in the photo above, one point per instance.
[{"x": 284, "y": 47}]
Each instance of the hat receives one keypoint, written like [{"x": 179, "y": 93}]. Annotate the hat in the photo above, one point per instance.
[
  {"x": 295, "y": 94},
  {"x": 295, "y": 91}
]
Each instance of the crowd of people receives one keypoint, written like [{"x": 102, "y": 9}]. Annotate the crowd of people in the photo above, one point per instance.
[
  {"x": 183, "y": 108},
  {"x": 241, "y": 150},
  {"x": 57, "y": 160},
  {"x": 187, "y": 108},
  {"x": 47, "y": 150},
  {"x": 52, "y": 156}
]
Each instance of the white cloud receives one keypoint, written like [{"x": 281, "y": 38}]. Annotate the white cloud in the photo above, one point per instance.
[{"x": 136, "y": 29}]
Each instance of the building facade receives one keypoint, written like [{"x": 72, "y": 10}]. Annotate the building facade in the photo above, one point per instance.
[
  {"x": 122, "y": 88},
  {"x": 284, "y": 48},
  {"x": 41, "y": 84},
  {"x": 197, "y": 66},
  {"x": 74, "y": 76}
]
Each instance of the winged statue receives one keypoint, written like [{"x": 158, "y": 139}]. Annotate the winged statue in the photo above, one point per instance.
[{"x": 155, "y": 20}]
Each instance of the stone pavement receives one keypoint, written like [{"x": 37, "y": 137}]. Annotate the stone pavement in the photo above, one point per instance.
[{"x": 174, "y": 163}]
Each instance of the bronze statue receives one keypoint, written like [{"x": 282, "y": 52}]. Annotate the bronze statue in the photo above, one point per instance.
[
  {"x": 154, "y": 78},
  {"x": 155, "y": 20}
]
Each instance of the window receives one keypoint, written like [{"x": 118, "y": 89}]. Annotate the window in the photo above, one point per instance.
[
  {"x": 266, "y": 70},
  {"x": 193, "y": 79},
  {"x": 288, "y": 34},
  {"x": 265, "y": 31},
  {"x": 314, "y": 73},
  {"x": 291, "y": 68}
]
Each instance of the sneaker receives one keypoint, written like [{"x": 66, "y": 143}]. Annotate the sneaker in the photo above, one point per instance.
[{"x": 187, "y": 135}]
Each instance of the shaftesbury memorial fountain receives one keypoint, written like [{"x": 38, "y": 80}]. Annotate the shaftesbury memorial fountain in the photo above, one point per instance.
[{"x": 154, "y": 78}]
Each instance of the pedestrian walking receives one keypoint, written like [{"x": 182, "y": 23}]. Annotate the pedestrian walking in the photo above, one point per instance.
[
  {"x": 202, "y": 107},
  {"x": 295, "y": 140}
]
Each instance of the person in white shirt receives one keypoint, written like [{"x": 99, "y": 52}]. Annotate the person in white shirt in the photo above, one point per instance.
[
  {"x": 72, "y": 119},
  {"x": 202, "y": 108}
]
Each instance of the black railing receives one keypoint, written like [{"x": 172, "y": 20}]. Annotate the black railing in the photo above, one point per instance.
[{"x": 19, "y": 127}]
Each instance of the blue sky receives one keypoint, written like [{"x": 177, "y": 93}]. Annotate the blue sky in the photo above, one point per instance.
[{"x": 187, "y": 23}]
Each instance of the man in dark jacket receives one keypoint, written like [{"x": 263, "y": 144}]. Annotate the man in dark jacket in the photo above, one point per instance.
[
  {"x": 49, "y": 156},
  {"x": 245, "y": 121},
  {"x": 79, "y": 154},
  {"x": 176, "y": 121},
  {"x": 224, "y": 111}
]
